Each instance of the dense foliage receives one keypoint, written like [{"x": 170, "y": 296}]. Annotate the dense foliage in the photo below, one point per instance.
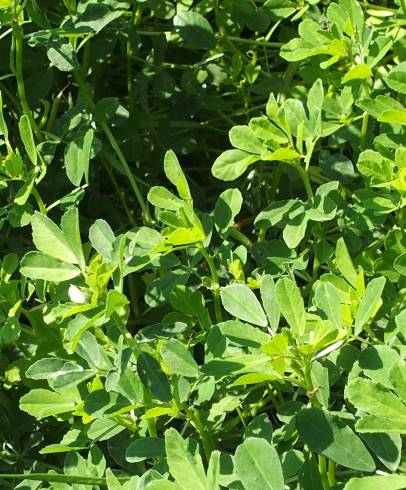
[{"x": 203, "y": 268}]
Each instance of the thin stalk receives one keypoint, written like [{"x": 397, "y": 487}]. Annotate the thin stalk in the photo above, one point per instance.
[
  {"x": 116, "y": 148},
  {"x": 215, "y": 278},
  {"x": 208, "y": 446},
  {"x": 313, "y": 400},
  {"x": 118, "y": 191},
  {"x": 121, "y": 158},
  {"x": 305, "y": 178},
  {"x": 40, "y": 202},
  {"x": 323, "y": 472},
  {"x": 240, "y": 237},
  {"x": 364, "y": 128},
  {"x": 276, "y": 179},
  {"x": 151, "y": 424},
  {"x": 331, "y": 473},
  {"x": 365, "y": 118},
  {"x": 255, "y": 42},
  {"x": 146, "y": 397},
  {"x": 401, "y": 221},
  {"x": 18, "y": 45}
]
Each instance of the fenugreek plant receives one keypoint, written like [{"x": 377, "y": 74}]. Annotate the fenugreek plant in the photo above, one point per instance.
[{"x": 203, "y": 268}]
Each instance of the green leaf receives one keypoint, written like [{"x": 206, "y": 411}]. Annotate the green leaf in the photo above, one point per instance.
[
  {"x": 77, "y": 158},
  {"x": 145, "y": 448},
  {"x": 376, "y": 361},
  {"x": 194, "y": 29},
  {"x": 153, "y": 378},
  {"x": 386, "y": 447},
  {"x": 327, "y": 435},
  {"x": 161, "y": 197},
  {"x": 162, "y": 485},
  {"x": 71, "y": 232},
  {"x": 242, "y": 303},
  {"x": 95, "y": 16},
  {"x": 227, "y": 207},
  {"x": 397, "y": 377},
  {"x": 370, "y": 302},
  {"x": 213, "y": 471},
  {"x": 269, "y": 301},
  {"x": 282, "y": 154},
  {"x": 377, "y": 400},
  {"x": 397, "y": 78},
  {"x": 379, "y": 104},
  {"x": 344, "y": 263},
  {"x": 315, "y": 101},
  {"x": 111, "y": 480},
  {"x": 258, "y": 466},
  {"x": 277, "y": 212},
  {"x": 6, "y": 4},
  {"x": 42, "y": 403},
  {"x": 178, "y": 359},
  {"x": 357, "y": 72},
  {"x": 243, "y": 334},
  {"x": 393, "y": 116},
  {"x": 159, "y": 290},
  {"x": 295, "y": 116},
  {"x": 265, "y": 130},
  {"x": 28, "y": 138},
  {"x": 231, "y": 164},
  {"x": 387, "y": 482},
  {"x": 61, "y": 54},
  {"x": 101, "y": 237},
  {"x": 327, "y": 300},
  {"x": 291, "y": 305},
  {"x": 260, "y": 427},
  {"x": 37, "y": 265},
  {"x": 320, "y": 377},
  {"x": 379, "y": 424},
  {"x": 184, "y": 463},
  {"x": 175, "y": 175},
  {"x": 3, "y": 125},
  {"x": 59, "y": 372},
  {"x": 49, "y": 239},
  {"x": 295, "y": 230},
  {"x": 243, "y": 138}
]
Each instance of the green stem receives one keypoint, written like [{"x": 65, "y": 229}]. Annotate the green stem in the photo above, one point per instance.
[
  {"x": 307, "y": 367},
  {"x": 323, "y": 472},
  {"x": 237, "y": 235},
  {"x": 276, "y": 179},
  {"x": 40, "y": 202},
  {"x": 127, "y": 171},
  {"x": 331, "y": 473},
  {"x": 147, "y": 401},
  {"x": 116, "y": 148},
  {"x": 214, "y": 276},
  {"x": 56, "y": 102},
  {"x": 18, "y": 40},
  {"x": 118, "y": 191},
  {"x": 401, "y": 221},
  {"x": 305, "y": 178},
  {"x": 208, "y": 446},
  {"x": 364, "y": 128},
  {"x": 261, "y": 235},
  {"x": 365, "y": 117},
  {"x": 255, "y": 42}
]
